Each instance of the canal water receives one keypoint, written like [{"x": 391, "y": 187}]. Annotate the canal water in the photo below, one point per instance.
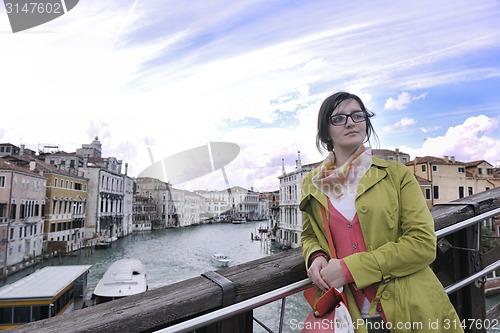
[{"x": 172, "y": 255}]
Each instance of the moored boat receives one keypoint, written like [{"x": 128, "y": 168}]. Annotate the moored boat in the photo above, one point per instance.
[
  {"x": 124, "y": 277},
  {"x": 238, "y": 220},
  {"x": 105, "y": 242},
  {"x": 48, "y": 292}
]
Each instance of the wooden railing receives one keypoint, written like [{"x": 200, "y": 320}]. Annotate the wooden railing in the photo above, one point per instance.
[{"x": 459, "y": 258}]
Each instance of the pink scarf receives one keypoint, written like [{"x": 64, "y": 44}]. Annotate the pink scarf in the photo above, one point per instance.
[{"x": 337, "y": 182}]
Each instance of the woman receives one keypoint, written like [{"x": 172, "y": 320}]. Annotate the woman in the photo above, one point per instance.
[{"x": 382, "y": 230}]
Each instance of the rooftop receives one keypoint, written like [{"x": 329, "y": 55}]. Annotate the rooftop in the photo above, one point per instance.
[{"x": 44, "y": 283}]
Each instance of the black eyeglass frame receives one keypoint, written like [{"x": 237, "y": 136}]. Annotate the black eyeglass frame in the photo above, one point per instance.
[{"x": 347, "y": 116}]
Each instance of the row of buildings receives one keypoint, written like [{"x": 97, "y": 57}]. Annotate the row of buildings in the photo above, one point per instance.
[
  {"x": 441, "y": 180},
  {"x": 56, "y": 201}
]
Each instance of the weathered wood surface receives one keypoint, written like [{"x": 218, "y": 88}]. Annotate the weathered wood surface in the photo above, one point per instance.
[
  {"x": 446, "y": 215},
  {"x": 177, "y": 302}
]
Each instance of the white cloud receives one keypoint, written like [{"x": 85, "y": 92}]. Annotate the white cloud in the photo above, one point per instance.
[
  {"x": 403, "y": 100},
  {"x": 430, "y": 129},
  {"x": 400, "y": 125},
  {"x": 470, "y": 141}
]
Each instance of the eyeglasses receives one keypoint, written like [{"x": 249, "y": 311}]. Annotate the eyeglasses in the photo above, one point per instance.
[{"x": 340, "y": 119}]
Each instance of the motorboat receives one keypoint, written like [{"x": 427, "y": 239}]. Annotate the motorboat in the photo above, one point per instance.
[
  {"x": 238, "y": 220},
  {"x": 220, "y": 259},
  {"x": 105, "y": 242},
  {"x": 124, "y": 277}
]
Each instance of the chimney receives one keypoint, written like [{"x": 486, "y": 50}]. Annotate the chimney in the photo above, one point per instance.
[
  {"x": 397, "y": 150},
  {"x": 452, "y": 159},
  {"x": 283, "y": 166},
  {"x": 32, "y": 165},
  {"x": 21, "y": 151},
  {"x": 126, "y": 168},
  {"x": 445, "y": 157}
]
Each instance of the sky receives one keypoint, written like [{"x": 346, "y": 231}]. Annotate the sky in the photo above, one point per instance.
[{"x": 152, "y": 79}]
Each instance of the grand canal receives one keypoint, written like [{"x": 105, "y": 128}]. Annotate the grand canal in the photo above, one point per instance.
[{"x": 172, "y": 255}]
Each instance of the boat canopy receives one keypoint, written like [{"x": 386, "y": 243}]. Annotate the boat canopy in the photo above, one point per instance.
[{"x": 44, "y": 284}]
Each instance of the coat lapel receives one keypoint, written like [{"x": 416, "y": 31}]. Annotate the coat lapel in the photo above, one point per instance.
[
  {"x": 312, "y": 192},
  {"x": 375, "y": 174}
]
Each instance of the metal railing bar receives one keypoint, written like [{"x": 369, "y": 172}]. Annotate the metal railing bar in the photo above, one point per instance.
[
  {"x": 464, "y": 224},
  {"x": 282, "y": 314},
  {"x": 237, "y": 308},
  {"x": 462, "y": 283}
]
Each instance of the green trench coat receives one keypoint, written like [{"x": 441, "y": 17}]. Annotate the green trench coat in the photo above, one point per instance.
[{"x": 398, "y": 230}]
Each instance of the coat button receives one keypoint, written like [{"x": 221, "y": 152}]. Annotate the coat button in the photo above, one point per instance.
[
  {"x": 386, "y": 295},
  {"x": 363, "y": 209}
]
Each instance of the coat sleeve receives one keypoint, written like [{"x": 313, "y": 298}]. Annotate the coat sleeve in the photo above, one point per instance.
[
  {"x": 311, "y": 233},
  {"x": 310, "y": 243},
  {"x": 414, "y": 247}
]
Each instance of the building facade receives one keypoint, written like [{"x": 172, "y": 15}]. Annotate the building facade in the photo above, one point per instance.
[
  {"x": 144, "y": 213},
  {"x": 290, "y": 218},
  {"x": 22, "y": 203},
  {"x": 450, "y": 179}
]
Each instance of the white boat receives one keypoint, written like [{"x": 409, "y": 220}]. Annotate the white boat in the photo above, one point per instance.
[
  {"x": 220, "y": 259},
  {"x": 124, "y": 277},
  {"x": 105, "y": 242},
  {"x": 238, "y": 220}
]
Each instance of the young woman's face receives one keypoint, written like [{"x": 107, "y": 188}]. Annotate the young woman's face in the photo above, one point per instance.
[{"x": 351, "y": 134}]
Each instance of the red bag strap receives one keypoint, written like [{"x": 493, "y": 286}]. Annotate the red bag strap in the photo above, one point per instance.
[
  {"x": 328, "y": 233},
  {"x": 330, "y": 243}
]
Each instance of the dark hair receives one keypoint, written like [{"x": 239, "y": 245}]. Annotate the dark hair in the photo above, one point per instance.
[{"x": 325, "y": 111}]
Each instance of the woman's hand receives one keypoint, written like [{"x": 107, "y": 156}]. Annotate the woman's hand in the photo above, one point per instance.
[
  {"x": 314, "y": 272},
  {"x": 332, "y": 274}
]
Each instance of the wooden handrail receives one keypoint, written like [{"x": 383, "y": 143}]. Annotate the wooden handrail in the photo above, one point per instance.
[{"x": 165, "y": 306}]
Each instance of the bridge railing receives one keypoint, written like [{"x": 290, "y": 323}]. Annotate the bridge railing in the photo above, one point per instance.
[{"x": 224, "y": 300}]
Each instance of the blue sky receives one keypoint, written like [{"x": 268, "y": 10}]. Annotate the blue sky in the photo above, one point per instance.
[{"x": 162, "y": 77}]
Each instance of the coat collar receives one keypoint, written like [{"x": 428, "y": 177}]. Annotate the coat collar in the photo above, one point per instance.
[{"x": 373, "y": 175}]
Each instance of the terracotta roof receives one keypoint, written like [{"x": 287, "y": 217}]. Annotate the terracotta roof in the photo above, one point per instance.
[
  {"x": 23, "y": 161},
  {"x": 7, "y": 165},
  {"x": 433, "y": 160},
  {"x": 387, "y": 152},
  {"x": 476, "y": 163}
]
